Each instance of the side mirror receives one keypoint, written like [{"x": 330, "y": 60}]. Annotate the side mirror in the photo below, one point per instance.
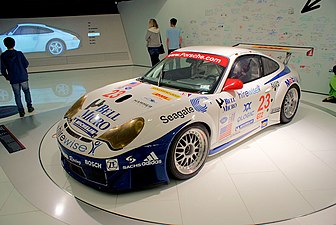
[{"x": 232, "y": 84}]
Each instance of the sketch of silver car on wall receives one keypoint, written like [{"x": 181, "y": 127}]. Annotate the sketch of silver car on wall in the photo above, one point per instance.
[{"x": 34, "y": 37}]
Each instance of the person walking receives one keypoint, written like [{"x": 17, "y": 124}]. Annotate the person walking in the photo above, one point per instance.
[
  {"x": 174, "y": 38},
  {"x": 174, "y": 41},
  {"x": 153, "y": 38},
  {"x": 14, "y": 68}
]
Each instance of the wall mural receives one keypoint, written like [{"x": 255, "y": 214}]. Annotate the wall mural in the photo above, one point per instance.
[{"x": 255, "y": 21}]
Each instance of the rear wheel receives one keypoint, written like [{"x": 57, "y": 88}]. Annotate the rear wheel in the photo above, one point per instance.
[
  {"x": 188, "y": 152},
  {"x": 289, "y": 105}
]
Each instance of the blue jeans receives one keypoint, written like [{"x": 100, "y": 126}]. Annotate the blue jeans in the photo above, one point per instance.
[{"x": 17, "y": 93}]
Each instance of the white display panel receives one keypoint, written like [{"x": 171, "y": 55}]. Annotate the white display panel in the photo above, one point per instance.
[{"x": 53, "y": 43}]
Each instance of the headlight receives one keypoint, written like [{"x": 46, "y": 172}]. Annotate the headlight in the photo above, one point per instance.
[
  {"x": 75, "y": 108},
  {"x": 119, "y": 137}
]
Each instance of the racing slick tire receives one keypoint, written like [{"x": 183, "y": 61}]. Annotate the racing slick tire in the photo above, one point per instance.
[
  {"x": 290, "y": 104},
  {"x": 188, "y": 152}
]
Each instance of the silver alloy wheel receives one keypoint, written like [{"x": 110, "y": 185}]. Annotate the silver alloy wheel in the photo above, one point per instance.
[
  {"x": 191, "y": 151},
  {"x": 291, "y": 102},
  {"x": 55, "y": 47}
]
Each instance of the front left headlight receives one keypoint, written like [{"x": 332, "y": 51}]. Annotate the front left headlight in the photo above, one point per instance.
[
  {"x": 119, "y": 137},
  {"x": 75, "y": 108}
]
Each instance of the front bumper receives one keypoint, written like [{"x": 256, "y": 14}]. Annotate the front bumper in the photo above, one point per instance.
[
  {"x": 139, "y": 168},
  {"x": 126, "y": 172}
]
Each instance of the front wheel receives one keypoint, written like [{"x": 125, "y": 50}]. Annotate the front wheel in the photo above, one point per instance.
[
  {"x": 55, "y": 47},
  {"x": 289, "y": 105},
  {"x": 188, "y": 152}
]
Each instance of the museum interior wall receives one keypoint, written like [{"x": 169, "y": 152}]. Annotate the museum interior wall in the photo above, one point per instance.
[{"x": 224, "y": 22}]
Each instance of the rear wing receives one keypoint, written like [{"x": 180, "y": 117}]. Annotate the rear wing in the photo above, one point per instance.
[{"x": 278, "y": 48}]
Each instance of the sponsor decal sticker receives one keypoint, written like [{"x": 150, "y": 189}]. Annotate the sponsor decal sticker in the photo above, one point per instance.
[
  {"x": 223, "y": 120},
  {"x": 221, "y": 60},
  {"x": 112, "y": 164},
  {"x": 275, "y": 110},
  {"x": 260, "y": 115},
  {"x": 130, "y": 159},
  {"x": 246, "y": 94},
  {"x": 290, "y": 81},
  {"x": 74, "y": 160},
  {"x": 247, "y": 106},
  {"x": 226, "y": 104},
  {"x": 166, "y": 92},
  {"x": 150, "y": 160},
  {"x": 90, "y": 121},
  {"x": 143, "y": 104},
  {"x": 161, "y": 96},
  {"x": 249, "y": 122},
  {"x": 93, "y": 164},
  {"x": 275, "y": 85},
  {"x": 177, "y": 115},
  {"x": 129, "y": 86},
  {"x": 195, "y": 102},
  {"x": 226, "y": 130},
  {"x": 264, "y": 123},
  {"x": 71, "y": 144},
  {"x": 152, "y": 100}
]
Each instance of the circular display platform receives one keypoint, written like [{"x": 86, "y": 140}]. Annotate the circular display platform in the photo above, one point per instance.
[{"x": 286, "y": 171}]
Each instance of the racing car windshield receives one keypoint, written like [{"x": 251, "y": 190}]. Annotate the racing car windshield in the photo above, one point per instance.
[{"x": 188, "y": 71}]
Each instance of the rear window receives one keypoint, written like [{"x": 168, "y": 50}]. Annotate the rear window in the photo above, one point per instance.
[{"x": 270, "y": 66}]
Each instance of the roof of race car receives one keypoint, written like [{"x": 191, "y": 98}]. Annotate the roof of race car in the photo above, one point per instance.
[{"x": 217, "y": 50}]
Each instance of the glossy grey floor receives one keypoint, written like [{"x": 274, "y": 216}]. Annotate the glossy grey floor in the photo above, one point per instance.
[{"x": 284, "y": 175}]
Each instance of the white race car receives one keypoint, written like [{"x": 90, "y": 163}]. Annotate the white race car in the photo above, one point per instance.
[{"x": 195, "y": 103}]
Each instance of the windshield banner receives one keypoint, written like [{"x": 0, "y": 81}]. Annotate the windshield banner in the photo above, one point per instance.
[{"x": 221, "y": 60}]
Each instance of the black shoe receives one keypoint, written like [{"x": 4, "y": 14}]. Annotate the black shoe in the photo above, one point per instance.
[
  {"x": 22, "y": 114},
  {"x": 329, "y": 99},
  {"x": 31, "y": 109}
]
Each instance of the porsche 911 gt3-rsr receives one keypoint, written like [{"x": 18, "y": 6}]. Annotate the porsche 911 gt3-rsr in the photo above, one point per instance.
[{"x": 195, "y": 103}]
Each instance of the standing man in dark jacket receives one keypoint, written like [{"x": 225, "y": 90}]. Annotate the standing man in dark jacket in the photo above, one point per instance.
[{"x": 14, "y": 68}]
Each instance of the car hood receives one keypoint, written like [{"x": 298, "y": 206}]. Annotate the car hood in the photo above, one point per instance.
[{"x": 116, "y": 104}]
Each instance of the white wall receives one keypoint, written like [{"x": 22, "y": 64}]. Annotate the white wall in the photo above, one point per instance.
[{"x": 228, "y": 22}]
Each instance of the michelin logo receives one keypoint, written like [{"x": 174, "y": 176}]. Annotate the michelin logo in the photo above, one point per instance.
[{"x": 150, "y": 160}]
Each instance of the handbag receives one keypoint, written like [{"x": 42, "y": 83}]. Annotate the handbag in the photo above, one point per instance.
[{"x": 161, "y": 48}]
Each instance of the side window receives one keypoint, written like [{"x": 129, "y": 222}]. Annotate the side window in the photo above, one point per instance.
[
  {"x": 269, "y": 65},
  {"x": 42, "y": 30},
  {"x": 18, "y": 31},
  {"x": 28, "y": 30},
  {"x": 246, "y": 68}
]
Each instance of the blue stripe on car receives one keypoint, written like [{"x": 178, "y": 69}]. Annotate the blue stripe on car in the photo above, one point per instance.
[
  {"x": 227, "y": 144},
  {"x": 281, "y": 74}
]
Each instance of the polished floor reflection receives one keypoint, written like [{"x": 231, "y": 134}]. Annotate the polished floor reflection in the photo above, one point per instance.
[{"x": 284, "y": 175}]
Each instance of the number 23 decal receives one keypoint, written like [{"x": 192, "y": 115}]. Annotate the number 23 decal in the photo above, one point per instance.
[
  {"x": 265, "y": 101},
  {"x": 114, "y": 94}
]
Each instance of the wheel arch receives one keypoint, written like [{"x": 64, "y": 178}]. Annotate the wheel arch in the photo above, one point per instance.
[{"x": 279, "y": 98}]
